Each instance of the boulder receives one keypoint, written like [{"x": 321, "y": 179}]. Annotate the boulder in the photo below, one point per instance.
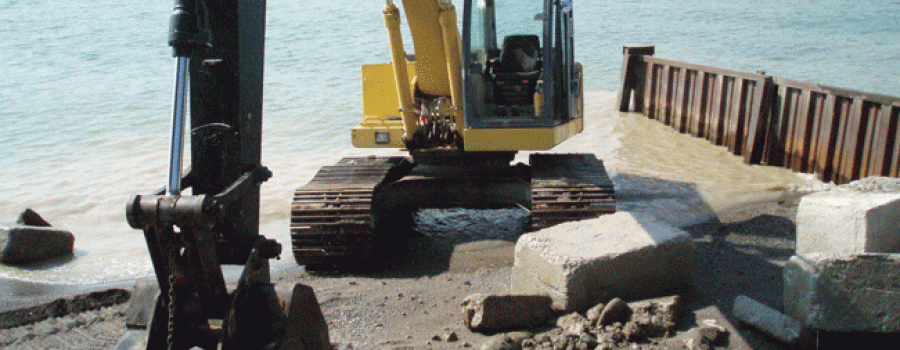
[
  {"x": 579, "y": 264},
  {"x": 493, "y": 313},
  {"x": 27, "y": 244}
]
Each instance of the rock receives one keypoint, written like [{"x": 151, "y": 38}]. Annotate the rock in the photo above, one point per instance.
[
  {"x": 767, "y": 320},
  {"x": 27, "y": 244},
  {"x": 492, "y": 313},
  {"x": 544, "y": 340},
  {"x": 563, "y": 342},
  {"x": 713, "y": 332},
  {"x": 593, "y": 314},
  {"x": 506, "y": 341},
  {"x": 31, "y": 218},
  {"x": 844, "y": 293},
  {"x": 706, "y": 336},
  {"x": 579, "y": 263},
  {"x": 573, "y": 324},
  {"x": 611, "y": 334},
  {"x": 633, "y": 332},
  {"x": 615, "y": 311},
  {"x": 450, "y": 337},
  {"x": 656, "y": 316},
  {"x": 589, "y": 341}
]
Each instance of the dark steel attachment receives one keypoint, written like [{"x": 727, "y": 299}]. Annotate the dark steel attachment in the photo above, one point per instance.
[{"x": 190, "y": 236}]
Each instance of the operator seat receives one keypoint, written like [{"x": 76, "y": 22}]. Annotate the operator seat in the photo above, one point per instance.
[{"x": 518, "y": 70}]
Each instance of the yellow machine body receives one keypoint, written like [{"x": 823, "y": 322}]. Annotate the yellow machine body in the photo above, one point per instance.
[
  {"x": 382, "y": 124},
  {"x": 389, "y": 113}
]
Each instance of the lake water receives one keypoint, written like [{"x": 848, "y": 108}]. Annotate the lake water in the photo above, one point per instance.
[{"x": 85, "y": 104}]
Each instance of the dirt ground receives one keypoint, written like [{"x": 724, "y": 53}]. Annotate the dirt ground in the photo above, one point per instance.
[{"x": 416, "y": 299}]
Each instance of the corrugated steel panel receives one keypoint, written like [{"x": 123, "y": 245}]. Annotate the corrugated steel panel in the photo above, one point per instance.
[{"x": 840, "y": 135}]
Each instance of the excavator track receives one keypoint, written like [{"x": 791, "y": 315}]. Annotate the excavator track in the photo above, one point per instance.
[
  {"x": 568, "y": 187},
  {"x": 331, "y": 216},
  {"x": 332, "y": 221}
]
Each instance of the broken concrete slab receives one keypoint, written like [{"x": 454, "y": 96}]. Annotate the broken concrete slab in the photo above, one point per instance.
[
  {"x": 493, "y": 313},
  {"x": 853, "y": 219},
  {"x": 845, "y": 293},
  {"x": 579, "y": 264},
  {"x": 27, "y": 244},
  {"x": 766, "y": 319}
]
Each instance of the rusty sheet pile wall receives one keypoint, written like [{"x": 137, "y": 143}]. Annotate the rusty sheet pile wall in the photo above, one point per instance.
[{"x": 838, "y": 134}]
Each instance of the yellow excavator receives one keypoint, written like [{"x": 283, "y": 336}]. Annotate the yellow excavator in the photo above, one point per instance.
[{"x": 463, "y": 105}]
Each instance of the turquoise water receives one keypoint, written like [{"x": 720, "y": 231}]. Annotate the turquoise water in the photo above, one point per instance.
[{"x": 86, "y": 92}]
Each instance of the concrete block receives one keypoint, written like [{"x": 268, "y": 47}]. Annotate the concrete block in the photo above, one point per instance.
[
  {"x": 856, "y": 218},
  {"x": 766, "y": 319},
  {"x": 847, "y": 293},
  {"x": 579, "y": 264}
]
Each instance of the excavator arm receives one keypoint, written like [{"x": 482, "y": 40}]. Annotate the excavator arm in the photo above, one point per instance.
[
  {"x": 437, "y": 60},
  {"x": 218, "y": 46}
]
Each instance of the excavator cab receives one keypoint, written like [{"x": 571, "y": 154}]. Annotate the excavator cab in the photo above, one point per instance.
[{"x": 520, "y": 83}]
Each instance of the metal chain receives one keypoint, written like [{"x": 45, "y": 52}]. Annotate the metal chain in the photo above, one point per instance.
[{"x": 171, "y": 311}]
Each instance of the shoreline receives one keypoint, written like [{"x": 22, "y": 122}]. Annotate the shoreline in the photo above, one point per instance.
[{"x": 410, "y": 303}]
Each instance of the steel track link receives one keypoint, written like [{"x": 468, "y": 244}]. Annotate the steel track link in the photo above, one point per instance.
[
  {"x": 331, "y": 218},
  {"x": 569, "y": 187}
]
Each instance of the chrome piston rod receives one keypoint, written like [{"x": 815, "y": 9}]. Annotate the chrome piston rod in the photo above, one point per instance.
[{"x": 173, "y": 186}]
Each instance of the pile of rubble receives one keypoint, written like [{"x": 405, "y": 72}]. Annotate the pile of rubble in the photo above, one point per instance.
[
  {"x": 842, "y": 278},
  {"x": 646, "y": 324}
]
